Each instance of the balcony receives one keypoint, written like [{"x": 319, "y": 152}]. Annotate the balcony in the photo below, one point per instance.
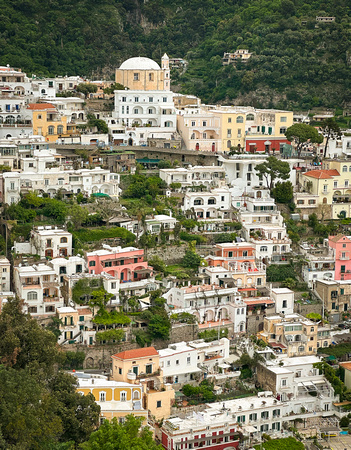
[{"x": 51, "y": 299}]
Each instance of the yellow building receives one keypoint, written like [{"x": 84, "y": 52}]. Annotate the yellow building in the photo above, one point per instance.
[
  {"x": 144, "y": 74},
  {"x": 143, "y": 364},
  {"x": 292, "y": 334},
  {"x": 48, "y": 122},
  {"x": 116, "y": 399},
  {"x": 232, "y": 125}
]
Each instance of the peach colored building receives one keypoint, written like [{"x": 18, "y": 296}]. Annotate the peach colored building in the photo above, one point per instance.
[
  {"x": 125, "y": 263},
  {"x": 143, "y": 365},
  {"x": 341, "y": 246}
]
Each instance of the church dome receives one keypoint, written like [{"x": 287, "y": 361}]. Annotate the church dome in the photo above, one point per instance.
[{"x": 140, "y": 63}]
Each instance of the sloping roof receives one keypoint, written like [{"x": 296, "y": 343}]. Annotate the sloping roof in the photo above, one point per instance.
[
  {"x": 41, "y": 106},
  {"x": 338, "y": 238},
  {"x": 137, "y": 353},
  {"x": 322, "y": 173}
]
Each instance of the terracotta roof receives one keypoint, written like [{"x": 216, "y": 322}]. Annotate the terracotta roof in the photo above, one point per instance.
[
  {"x": 338, "y": 238},
  {"x": 84, "y": 310},
  {"x": 137, "y": 353},
  {"x": 322, "y": 173},
  {"x": 41, "y": 106},
  {"x": 258, "y": 301},
  {"x": 346, "y": 365}
]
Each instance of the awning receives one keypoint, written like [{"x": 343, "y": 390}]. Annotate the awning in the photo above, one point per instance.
[
  {"x": 224, "y": 366},
  {"x": 249, "y": 429},
  {"x": 180, "y": 371},
  {"x": 100, "y": 194},
  {"x": 143, "y": 271}
]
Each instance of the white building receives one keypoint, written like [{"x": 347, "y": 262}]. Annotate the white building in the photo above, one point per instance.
[
  {"x": 50, "y": 241},
  {"x": 178, "y": 363},
  {"x": 214, "y": 204},
  {"x": 39, "y": 287},
  {"x": 210, "y": 176},
  {"x": 211, "y": 354},
  {"x": 297, "y": 382},
  {"x": 284, "y": 300},
  {"x": 5, "y": 269},
  {"x": 154, "y": 225},
  {"x": 43, "y": 179},
  {"x": 68, "y": 266},
  {"x": 71, "y": 107},
  {"x": 263, "y": 225},
  {"x": 209, "y": 304},
  {"x": 240, "y": 170}
]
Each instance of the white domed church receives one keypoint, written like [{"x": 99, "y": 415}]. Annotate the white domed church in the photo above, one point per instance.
[{"x": 145, "y": 108}]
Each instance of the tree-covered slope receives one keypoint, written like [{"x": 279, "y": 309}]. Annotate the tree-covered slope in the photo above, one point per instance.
[{"x": 295, "y": 63}]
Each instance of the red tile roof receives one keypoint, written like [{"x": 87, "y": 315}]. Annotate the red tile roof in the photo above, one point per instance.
[
  {"x": 137, "y": 353},
  {"x": 322, "y": 173},
  {"x": 41, "y": 106}
]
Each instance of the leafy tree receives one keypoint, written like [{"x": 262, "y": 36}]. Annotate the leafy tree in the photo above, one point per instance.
[
  {"x": 78, "y": 215},
  {"x": 330, "y": 130},
  {"x": 100, "y": 124},
  {"x": 302, "y": 133},
  {"x": 159, "y": 327},
  {"x": 86, "y": 88},
  {"x": 56, "y": 209},
  {"x": 272, "y": 169},
  {"x": 129, "y": 435},
  {"x": 283, "y": 192},
  {"x": 191, "y": 259},
  {"x": 157, "y": 263},
  {"x": 114, "y": 87}
]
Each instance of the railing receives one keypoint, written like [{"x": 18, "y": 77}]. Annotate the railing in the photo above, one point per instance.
[{"x": 51, "y": 299}]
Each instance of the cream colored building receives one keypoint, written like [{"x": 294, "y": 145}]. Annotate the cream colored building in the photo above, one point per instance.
[
  {"x": 144, "y": 74},
  {"x": 116, "y": 399}
]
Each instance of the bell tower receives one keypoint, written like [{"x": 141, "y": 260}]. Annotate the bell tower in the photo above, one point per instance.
[{"x": 166, "y": 72}]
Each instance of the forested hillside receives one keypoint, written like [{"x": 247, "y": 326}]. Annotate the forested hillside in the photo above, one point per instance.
[{"x": 295, "y": 63}]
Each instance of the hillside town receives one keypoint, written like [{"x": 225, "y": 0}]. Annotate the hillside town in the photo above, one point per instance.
[{"x": 193, "y": 261}]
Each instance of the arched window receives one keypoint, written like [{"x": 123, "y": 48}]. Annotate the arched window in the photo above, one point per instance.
[
  {"x": 136, "y": 395},
  {"x": 263, "y": 248},
  {"x": 32, "y": 295},
  {"x": 51, "y": 130},
  {"x": 349, "y": 168},
  {"x": 250, "y": 117},
  {"x": 229, "y": 144},
  {"x": 63, "y": 240},
  {"x": 344, "y": 168},
  {"x": 60, "y": 129},
  {"x": 240, "y": 119},
  {"x": 275, "y": 248},
  {"x": 211, "y": 201}
]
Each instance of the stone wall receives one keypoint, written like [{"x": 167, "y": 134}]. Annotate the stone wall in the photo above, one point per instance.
[
  {"x": 99, "y": 356},
  {"x": 266, "y": 378},
  {"x": 170, "y": 254},
  {"x": 307, "y": 308}
]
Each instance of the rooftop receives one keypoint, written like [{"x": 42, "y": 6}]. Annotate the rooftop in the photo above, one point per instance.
[
  {"x": 139, "y": 63},
  {"x": 137, "y": 353},
  {"x": 322, "y": 174}
]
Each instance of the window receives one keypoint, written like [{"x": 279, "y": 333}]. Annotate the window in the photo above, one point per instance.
[
  {"x": 151, "y": 77},
  {"x": 229, "y": 120},
  {"x": 282, "y": 130},
  {"x": 283, "y": 383},
  {"x": 158, "y": 404},
  {"x": 164, "y": 99},
  {"x": 342, "y": 269},
  {"x": 204, "y": 136},
  {"x": 264, "y": 415},
  {"x": 283, "y": 119},
  {"x": 253, "y": 417},
  {"x": 342, "y": 290},
  {"x": 51, "y": 130},
  {"x": 136, "y": 99},
  {"x": 250, "y": 117},
  {"x": 60, "y": 129},
  {"x": 123, "y": 396},
  {"x": 344, "y": 168},
  {"x": 177, "y": 362},
  {"x": 63, "y": 240},
  {"x": 204, "y": 123},
  {"x": 92, "y": 263},
  {"x": 188, "y": 360},
  {"x": 32, "y": 295},
  {"x": 32, "y": 310},
  {"x": 240, "y": 419},
  {"x": 240, "y": 119},
  {"x": 102, "y": 396},
  {"x": 285, "y": 304},
  {"x": 263, "y": 248},
  {"x": 148, "y": 368},
  {"x": 301, "y": 349},
  {"x": 124, "y": 99},
  {"x": 151, "y": 99},
  {"x": 136, "y": 77}
]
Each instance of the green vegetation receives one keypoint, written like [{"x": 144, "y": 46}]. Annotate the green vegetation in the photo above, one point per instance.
[
  {"x": 283, "y": 192},
  {"x": 335, "y": 377},
  {"x": 272, "y": 169},
  {"x": 61, "y": 38},
  {"x": 203, "y": 392},
  {"x": 276, "y": 272},
  {"x": 140, "y": 186},
  {"x": 314, "y": 316},
  {"x": 212, "y": 335},
  {"x": 289, "y": 443},
  {"x": 86, "y": 89},
  {"x": 302, "y": 133},
  {"x": 40, "y": 407},
  {"x": 183, "y": 317},
  {"x": 73, "y": 360},
  {"x": 89, "y": 235},
  {"x": 129, "y": 435},
  {"x": 337, "y": 350}
]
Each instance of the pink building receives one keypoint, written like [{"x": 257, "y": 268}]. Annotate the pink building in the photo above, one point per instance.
[
  {"x": 341, "y": 246},
  {"x": 125, "y": 263}
]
